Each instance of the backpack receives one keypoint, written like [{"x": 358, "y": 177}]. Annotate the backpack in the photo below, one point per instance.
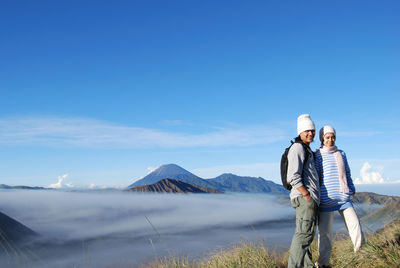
[{"x": 284, "y": 163}]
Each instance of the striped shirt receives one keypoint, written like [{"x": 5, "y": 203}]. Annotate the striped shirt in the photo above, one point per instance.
[{"x": 331, "y": 197}]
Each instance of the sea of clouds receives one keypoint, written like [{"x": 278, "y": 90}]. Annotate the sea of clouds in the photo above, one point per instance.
[
  {"x": 126, "y": 229},
  {"x": 123, "y": 228}
]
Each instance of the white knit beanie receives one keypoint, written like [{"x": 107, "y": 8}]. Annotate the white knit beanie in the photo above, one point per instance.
[
  {"x": 326, "y": 130},
  {"x": 304, "y": 123}
]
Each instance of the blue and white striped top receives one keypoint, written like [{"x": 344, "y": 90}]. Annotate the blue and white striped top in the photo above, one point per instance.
[{"x": 331, "y": 197}]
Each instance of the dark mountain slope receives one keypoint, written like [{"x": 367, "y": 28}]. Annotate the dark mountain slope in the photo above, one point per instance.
[
  {"x": 172, "y": 186},
  {"x": 12, "y": 232}
]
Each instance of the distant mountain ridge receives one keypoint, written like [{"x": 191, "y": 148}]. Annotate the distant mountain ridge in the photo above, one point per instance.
[
  {"x": 373, "y": 198},
  {"x": 172, "y": 186},
  {"x": 375, "y": 219},
  {"x": 4, "y": 186},
  {"x": 228, "y": 182},
  {"x": 224, "y": 183},
  {"x": 379, "y": 218}
]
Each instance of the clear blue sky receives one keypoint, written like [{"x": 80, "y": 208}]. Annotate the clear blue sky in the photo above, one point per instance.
[{"x": 103, "y": 91}]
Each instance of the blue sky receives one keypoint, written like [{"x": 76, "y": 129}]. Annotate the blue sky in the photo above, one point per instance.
[{"x": 104, "y": 92}]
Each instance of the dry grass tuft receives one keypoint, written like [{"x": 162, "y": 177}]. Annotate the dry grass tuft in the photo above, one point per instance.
[{"x": 243, "y": 255}]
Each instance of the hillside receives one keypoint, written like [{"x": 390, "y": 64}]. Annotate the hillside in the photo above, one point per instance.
[
  {"x": 379, "y": 218},
  {"x": 368, "y": 204},
  {"x": 12, "y": 232},
  {"x": 374, "y": 199},
  {"x": 381, "y": 249},
  {"x": 172, "y": 186}
]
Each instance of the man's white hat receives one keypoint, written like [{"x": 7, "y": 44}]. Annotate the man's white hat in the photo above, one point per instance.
[{"x": 304, "y": 123}]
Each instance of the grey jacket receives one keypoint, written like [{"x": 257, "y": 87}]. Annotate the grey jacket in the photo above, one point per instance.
[{"x": 296, "y": 157}]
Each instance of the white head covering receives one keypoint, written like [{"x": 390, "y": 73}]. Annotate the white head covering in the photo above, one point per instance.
[
  {"x": 304, "y": 123},
  {"x": 326, "y": 130}
]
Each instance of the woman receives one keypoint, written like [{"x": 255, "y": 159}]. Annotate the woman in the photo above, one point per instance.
[{"x": 336, "y": 188}]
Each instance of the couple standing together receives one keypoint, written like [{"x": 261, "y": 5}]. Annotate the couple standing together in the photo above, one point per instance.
[{"x": 321, "y": 184}]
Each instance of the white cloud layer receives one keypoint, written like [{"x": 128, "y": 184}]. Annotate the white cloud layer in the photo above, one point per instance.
[
  {"x": 369, "y": 176},
  {"x": 60, "y": 183},
  {"x": 117, "y": 226},
  {"x": 81, "y": 132}
]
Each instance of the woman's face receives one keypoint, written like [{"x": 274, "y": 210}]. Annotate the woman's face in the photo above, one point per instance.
[
  {"x": 307, "y": 136},
  {"x": 329, "y": 140}
]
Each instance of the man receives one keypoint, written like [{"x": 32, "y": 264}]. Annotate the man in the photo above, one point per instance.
[{"x": 305, "y": 193}]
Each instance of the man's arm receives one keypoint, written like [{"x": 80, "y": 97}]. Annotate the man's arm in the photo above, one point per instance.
[{"x": 296, "y": 158}]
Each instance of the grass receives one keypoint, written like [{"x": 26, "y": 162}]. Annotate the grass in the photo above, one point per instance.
[
  {"x": 381, "y": 249},
  {"x": 243, "y": 255}
]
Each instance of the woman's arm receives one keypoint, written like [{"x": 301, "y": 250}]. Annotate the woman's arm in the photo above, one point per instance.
[{"x": 348, "y": 174}]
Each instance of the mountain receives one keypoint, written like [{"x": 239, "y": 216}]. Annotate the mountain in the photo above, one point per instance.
[
  {"x": 3, "y": 186},
  {"x": 170, "y": 171},
  {"x": 232, "y": 183},
  {"x": 374, "y": 199},
  {"x": 379, "y": 218},
  {"x": 224, "y": 183},
  {"x": 12, "y": 231},
  {"x": 172, "y": 186}
]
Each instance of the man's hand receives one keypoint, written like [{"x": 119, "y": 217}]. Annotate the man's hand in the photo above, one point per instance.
[{"x": 304, "y": 192}]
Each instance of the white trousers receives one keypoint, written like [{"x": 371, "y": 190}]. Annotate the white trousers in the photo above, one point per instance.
[{"x": 325, "y": 232}]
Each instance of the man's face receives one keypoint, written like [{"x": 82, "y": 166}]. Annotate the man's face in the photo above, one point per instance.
[{"x": 307, "y": 136}]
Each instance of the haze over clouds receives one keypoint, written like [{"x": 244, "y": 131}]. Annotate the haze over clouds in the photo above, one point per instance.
[
  {"x": 251, "y": 169},
  {"x": 83, "y": 132}
]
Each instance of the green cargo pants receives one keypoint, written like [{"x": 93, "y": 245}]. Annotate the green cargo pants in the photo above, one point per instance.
[{"x": 306, "y": 216}]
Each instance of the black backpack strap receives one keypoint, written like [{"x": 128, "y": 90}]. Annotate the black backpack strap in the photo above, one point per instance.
[{"x": 308, "y": 155}]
